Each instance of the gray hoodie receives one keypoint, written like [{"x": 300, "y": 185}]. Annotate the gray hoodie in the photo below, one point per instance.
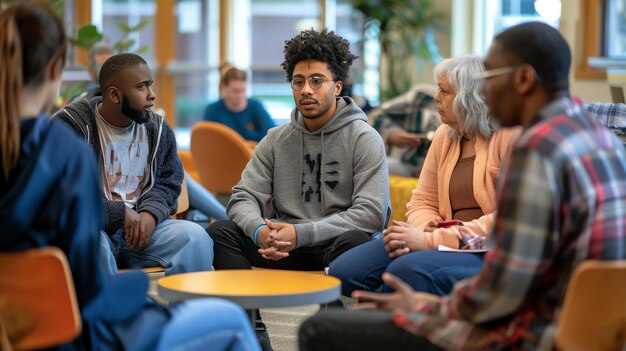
[{"x": 325, "y": 182}]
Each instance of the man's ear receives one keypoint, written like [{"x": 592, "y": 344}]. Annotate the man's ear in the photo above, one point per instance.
[
  {"x": 525, "y": 79},
  {"x": 113, "y": 94},
  {"x": 338, "y": 87}
]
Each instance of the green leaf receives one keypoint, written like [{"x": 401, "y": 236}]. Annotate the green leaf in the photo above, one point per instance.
[
  {"x": 123, "y": 27},
  {"x": 86, "y": 37},
  {"x": 71, "y": 90},
  {"x": 142, "y": 24},
  {"x": 124, "y": 45},
  {"x": 142, "y": 50},
  {"x": 126, "y": 29}
]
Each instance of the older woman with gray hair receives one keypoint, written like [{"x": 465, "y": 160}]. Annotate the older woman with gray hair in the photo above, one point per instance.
[{"x": 456, "y": 189}]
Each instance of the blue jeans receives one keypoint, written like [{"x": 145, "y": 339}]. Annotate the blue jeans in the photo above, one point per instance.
[
  {"x": 204, "y": 201},
  {"x": 201, "y": 324},
  {"x": 208, "y": 323},
  {"x": 179, "y": 246},
  {"x": 432, "y": 271}
]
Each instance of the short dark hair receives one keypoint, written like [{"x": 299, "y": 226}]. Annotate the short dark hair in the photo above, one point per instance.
[
  {"x": 323, "y": 46},
  {"x": 542, "y": 47},
  {"x": 115, "y": 65}
]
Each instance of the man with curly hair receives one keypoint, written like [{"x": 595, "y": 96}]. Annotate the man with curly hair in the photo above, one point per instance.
[{"x": 315, "y": 187}]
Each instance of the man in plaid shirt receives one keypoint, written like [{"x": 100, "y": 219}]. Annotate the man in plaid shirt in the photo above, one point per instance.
[{"x": 562, "y": 200}]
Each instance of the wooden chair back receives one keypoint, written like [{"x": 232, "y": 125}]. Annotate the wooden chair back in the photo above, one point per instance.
[
  {"x": 183, "y": 198},
  {"x": 593, "y": 316},
  {"x": 39, "y": 308}
]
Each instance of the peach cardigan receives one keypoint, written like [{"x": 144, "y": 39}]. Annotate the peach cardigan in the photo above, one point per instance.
[{"x": 431, "y": 198}]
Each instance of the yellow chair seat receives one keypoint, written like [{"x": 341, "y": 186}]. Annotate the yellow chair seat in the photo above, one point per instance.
[{"x": 400, "y": 189}]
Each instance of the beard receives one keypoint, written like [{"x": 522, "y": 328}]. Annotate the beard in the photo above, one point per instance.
[{"x": 140, "y": 116}]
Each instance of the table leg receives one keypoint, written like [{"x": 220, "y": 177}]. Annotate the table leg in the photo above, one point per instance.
[{"x": 252, "y": 315}]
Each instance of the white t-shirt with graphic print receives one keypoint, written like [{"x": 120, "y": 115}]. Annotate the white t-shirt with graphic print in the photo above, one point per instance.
[{"x": 125, "y": 152}]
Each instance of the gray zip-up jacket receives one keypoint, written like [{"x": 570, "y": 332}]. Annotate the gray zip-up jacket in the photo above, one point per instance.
[
  {"x": 166, "y": 170},
  {"x": 325, "y": 182}
]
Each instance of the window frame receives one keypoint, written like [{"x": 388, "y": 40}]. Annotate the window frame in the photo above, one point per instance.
[{"x": 591, "y": 32}]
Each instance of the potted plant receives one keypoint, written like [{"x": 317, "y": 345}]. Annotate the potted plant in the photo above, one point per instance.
[
  {"x": 88, "y": 35},
  {"x": 406, "y": 32}
]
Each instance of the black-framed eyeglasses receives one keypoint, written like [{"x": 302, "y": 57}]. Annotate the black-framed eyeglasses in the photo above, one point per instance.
[{"x": 315, "y": 82}]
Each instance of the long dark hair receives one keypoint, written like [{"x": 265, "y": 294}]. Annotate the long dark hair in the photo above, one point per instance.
[{"x": 31, "y": 36}]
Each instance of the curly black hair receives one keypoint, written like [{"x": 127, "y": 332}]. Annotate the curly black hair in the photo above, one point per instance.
[{"x": 323, "y": 46}]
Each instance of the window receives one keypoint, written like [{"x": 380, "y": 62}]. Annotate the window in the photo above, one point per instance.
[
  {"x": 592, "y": 20},
  {"x": 187, "y": 39},
  {"x": 275, "y": 21},
  {"x": 506, "y": 13},
  {"x": 192, "y": 70},
  {"x": 615, "y": 29}
]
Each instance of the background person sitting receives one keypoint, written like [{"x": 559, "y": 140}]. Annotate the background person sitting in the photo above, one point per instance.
[
  {"x": 458, "y": 182},
  {"x": 244, "y": 115},
  {"x": 407, "y": 122},
  {"x": 98, "y": 53}
]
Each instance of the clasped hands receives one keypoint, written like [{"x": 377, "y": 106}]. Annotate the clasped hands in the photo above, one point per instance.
[
  {"x": 276, "y": 240},
  {"x": 138, "y": 228},
  {"x": 402, "y": 238}
]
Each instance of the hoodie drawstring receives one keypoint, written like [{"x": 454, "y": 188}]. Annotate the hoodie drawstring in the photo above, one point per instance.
[
  {"x": 302, "y": 190},
  {"x": 322, "y": 171}
]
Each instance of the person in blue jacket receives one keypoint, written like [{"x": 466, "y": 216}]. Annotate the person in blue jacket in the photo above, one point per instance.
[
  {"x": 244, "y": 115},
  {"x": 50, "y": 196}
]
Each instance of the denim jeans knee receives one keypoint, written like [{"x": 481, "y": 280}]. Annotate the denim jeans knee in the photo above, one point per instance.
[{"x": 179, "y": 246}]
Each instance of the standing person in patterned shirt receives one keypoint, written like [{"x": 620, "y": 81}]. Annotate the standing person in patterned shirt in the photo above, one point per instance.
[{"x": 562, "y": 200}]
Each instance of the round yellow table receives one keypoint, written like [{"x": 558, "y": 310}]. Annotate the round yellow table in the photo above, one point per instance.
[{"x": 253, "y": 289}]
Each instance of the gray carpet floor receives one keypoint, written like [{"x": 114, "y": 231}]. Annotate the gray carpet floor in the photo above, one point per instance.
[{"x": 283, "y": 323}]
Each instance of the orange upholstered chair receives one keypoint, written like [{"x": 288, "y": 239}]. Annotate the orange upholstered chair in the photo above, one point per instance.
[
  {"x": 188, "y": 165},
  {"x": 220, "y": 155}
]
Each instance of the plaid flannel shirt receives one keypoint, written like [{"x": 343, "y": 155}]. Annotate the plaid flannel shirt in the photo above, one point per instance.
[
  {"x": 562, "y": 199},
  {"x": 612, "y": 116}
]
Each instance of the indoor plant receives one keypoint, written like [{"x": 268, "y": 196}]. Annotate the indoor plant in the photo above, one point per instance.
[{"x": 406, "y": 32}]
